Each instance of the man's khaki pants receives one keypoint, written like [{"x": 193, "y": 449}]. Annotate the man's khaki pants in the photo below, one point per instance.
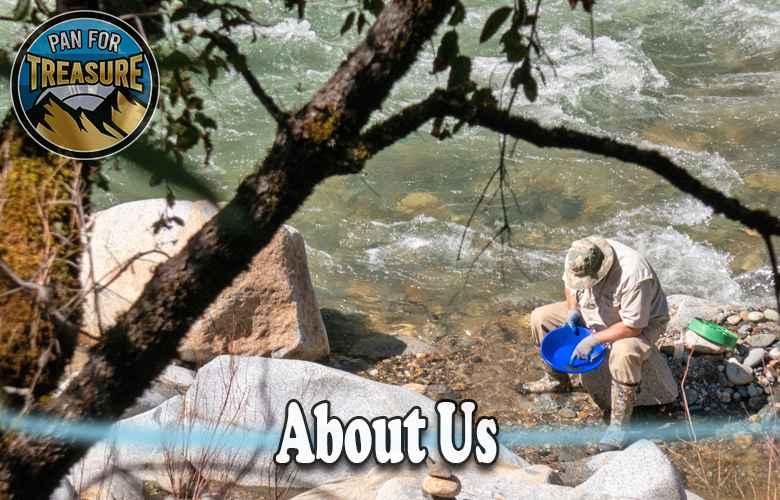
[{"x": 626, "y": 355}]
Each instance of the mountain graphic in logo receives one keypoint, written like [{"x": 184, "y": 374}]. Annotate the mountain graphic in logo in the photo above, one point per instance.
[{"x": 80, "y": 129}]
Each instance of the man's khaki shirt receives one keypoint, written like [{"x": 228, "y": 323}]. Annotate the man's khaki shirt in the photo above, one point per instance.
[{"x": 630, "y": 293}]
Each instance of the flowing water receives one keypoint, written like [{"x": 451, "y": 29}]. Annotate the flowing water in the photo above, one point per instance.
[{"x": 698, "y": 80}]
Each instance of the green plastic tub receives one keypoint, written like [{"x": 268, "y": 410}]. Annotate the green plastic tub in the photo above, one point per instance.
[{"x": 712, "y": 332}]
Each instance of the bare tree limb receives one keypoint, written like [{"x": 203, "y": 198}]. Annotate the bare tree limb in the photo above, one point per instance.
[{"x": 238, "y": 60}]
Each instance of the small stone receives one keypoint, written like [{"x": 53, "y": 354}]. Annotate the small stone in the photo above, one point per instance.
[
  {"x": 721, "y": 368},
  {"x": 746, "y": 328},
  {"x": 752, "y": 391},
  {"x": 762, "y": 381},
  {"x": 467, "y": 342},
  {"x": 419, "y": 388},
  {"x": 444, "y": 488},
  {"x": 583, "y": 414},
  {"x": 720, "y": 318},
  {"x": 774, "y": 353},
  {"x": 771, "y": 315},
  {"x": 761, "y": 340},
  {"x": 738, "y": 374},
  {"x": 691, "y": 396},
  {"x": 742, "y": 390},
  {"x": 419, "y": 355},
  {"x": 733, "y": 320},
  {"x": 736, "y": 396},
  {"x": 756, "y": 316},
  {"x": 754, "y": 357},
  {"x": 728, "y": 390},
  {"x": 723, "y": 381},
  {"x": 567, "y": 413},
  {"x": 439, "y": 470},
  {"x": 773, "y": 399},
  {"x": 744, "y": 315},
  {"x": 756, "y": 402},
  {"x": 373, "y": 372},
  {"x": 725, "y": 397}
]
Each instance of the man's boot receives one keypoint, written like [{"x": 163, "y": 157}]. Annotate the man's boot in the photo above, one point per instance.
[
  {"x": 623, "y": 399},
  {"x": 553, "y": 381}
]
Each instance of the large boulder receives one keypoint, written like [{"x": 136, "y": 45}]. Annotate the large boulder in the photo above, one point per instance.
[
  {"x": 683, "y": 308},
  {"x": 269, "y": 310},
  {"x": 657, "y": 387},
  {"x": 230, "y": 420}
]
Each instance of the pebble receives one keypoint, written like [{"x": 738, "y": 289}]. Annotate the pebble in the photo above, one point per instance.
[
  {"x": 691, "y": 396},
  {"x": 419, "y": 388},
  {"x": 733, "y": 320},
  {"x": 725, "y": 397},
  {"x": 444, "y": 488},
  {"x": 373, "y": 372},
  {"x": 728, "y": 390},
  {"x": 754, "y": 357},
  {"x": 774, "y": 353},
  {"x": 738, "y": 374},
  {"x": 743, "y": 315},
  {"x": 745, "y": 328},
  {"x": 762, "y": 340},
  {"x": 742, "y": 390},
  {"x": 723, "y": 381},
  {"x": 467, "y": 343},
  {"x": 773, "y": 399},
  {"x": 771, "y": 315},
  {"x": 752, "y": 391},
  {"x": 756, "y": 402},
  {"x": 439, "y": 470},
  {"x": 737, "y": 396},
  {"x": 756, "y": 316},
  {"x": 720, "y": 318},
  {"x": 567, "y": 413}
]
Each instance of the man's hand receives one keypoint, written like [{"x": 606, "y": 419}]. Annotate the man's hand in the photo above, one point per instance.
[
  {"x": 585, "y": 348},
  {"x": 574, "y": 319}
]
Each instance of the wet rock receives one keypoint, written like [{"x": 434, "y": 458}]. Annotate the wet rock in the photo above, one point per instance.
[
  {"x": 439, "y": 470},
  {"x": 418, "y": 388},
  {"x": 733, "y": 320},
  {"x": 771, "y": 315},
  {"x": 738, "y": 374},
  {"x": 755, "y": 316},
  {"x": 761, "y": 340},
  {"x": 757, "y": 282},
  {"x": 769, "y": 414},
  {"x": 699, "y": 344},
  {"x": 444, "y": 488},
  {"x": 467, "y": 342},
  {"x": 657, "y": 387},
  {"x": 691, "y": 396},
  {"x": 641, "y": 471},
  {"x": 545, "y": 407},
  {"x": 754, "y": 357},
  {"x": 567, "y": 413}
]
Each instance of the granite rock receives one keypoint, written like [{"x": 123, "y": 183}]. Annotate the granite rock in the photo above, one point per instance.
[
  {"x": 738, "y": 374},
  {"x": 761, "y": 340},
  {"x": 754, "y": 357},
  {"x": 683, "y": 308}
]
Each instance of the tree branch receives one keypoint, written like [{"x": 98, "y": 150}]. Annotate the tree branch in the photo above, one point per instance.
[
  {"x": 238, "y": 60},
  {"x": 456, "y": 105}
]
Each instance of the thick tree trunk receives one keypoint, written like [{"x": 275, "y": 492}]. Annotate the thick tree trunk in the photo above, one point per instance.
[{"x": 313, "y": 144}]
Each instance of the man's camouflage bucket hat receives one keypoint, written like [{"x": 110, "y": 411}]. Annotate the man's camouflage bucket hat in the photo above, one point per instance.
[{"x": 588, "y": 261}]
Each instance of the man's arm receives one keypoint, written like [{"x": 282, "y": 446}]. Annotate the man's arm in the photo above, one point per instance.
[
  {"x": 617, "y": 331},
  {"x": 570, "y": 300}
]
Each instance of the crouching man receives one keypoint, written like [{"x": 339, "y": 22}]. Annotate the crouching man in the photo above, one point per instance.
[{"x": 611, "y": 289}]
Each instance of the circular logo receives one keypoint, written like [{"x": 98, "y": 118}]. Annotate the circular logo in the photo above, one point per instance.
[{"x": 84, "y": 85}]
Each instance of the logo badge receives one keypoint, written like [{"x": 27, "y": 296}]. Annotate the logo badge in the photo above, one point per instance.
[{"x": 84, "y": 85}]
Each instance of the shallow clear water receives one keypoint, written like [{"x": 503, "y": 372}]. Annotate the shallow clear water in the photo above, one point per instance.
[{"x": 697, "y": 79}]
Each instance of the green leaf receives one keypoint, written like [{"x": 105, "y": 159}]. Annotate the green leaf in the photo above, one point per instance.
[
  {"x": 494, "y": 22},
  {"x": 205, "y": 121},
  {"x": 374, "y": 6},
  {"x": 175, "y": 60},
  {"x": 521, "y": 74},
  {"x": 457, "y": 15},
  {"x": 21, "y": 9},
  {"x": 519, "y": 16},
  {"x": 361, "y": 22},
  {"x": 348, "y": 22},
  {"x": 459, "y": 74},
  {"x": 513, "y": 46},
  {"x": 484, "y": 97},
  {"x": 530, "y": 89},
  {"x": 448, "y": 51}
]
